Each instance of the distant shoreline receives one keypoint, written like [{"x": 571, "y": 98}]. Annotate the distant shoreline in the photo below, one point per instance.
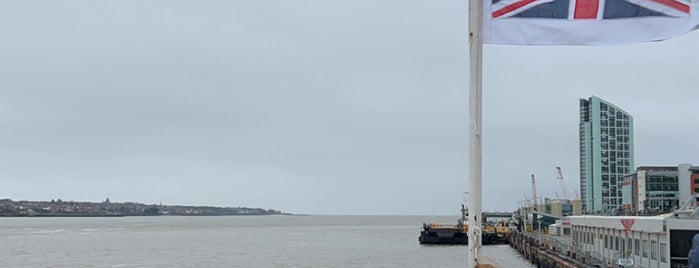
[
  {"x": 60, "y": 208},
  {"x": 121, "y": 216},
  {"x": 59, "y": 216}
]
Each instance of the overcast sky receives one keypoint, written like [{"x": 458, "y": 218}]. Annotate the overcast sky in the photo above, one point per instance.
[{"x": 322, "y": 107}]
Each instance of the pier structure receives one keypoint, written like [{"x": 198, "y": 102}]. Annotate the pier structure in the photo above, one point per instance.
[
  {"x": 549, "y": 251},
  {"x": 662, "y": 241}
]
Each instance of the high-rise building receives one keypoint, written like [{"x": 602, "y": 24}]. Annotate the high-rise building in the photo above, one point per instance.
[{"x": 606, "y": 154}]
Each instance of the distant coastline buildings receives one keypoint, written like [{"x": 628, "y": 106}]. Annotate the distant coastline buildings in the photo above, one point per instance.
[
  {"x": 606, "y": 154},
  {"x": 59, "y": 208}
]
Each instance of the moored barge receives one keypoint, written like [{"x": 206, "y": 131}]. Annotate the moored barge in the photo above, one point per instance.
[
  {"x": 433, "y": 233},
  {"x": 493, "y": 232}
]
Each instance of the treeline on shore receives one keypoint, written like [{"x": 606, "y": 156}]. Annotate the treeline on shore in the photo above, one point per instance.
[{"x": 60, "y": 208}]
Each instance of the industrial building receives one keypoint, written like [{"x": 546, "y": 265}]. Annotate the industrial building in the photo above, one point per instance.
[{"x": 547, "y": 212}]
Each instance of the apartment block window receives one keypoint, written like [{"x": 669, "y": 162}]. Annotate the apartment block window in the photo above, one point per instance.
[
  {"x": 627, "y": 248},
  {"x": 645, "y": 248},
  {"x": 635, "y": 247},
  {"x": 654, "y": 249},
  {"x": 579, "y": 235},
  {"x": 663, "y": 257},
  {"x": 592, "y": 239}
]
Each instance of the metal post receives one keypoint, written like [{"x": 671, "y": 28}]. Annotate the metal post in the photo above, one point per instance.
[
  {"x": 539, "y": 221},
  {"x": 475, "y": 25}
]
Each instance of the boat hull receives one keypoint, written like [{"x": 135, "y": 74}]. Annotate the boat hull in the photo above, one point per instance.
[{"x": 453, "y": 236}]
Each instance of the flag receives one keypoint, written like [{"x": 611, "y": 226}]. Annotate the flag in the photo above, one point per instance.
[{"x": 586, "y": 22}]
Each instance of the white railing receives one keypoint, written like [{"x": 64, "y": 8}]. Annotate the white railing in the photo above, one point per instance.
[{"x": 689, "y": 209}]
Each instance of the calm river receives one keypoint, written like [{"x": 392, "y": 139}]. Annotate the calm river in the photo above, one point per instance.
[{"x": 231, "y": 241}]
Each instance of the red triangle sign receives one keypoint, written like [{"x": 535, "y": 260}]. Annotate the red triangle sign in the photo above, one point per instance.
[{"x": 627, "y": 224}]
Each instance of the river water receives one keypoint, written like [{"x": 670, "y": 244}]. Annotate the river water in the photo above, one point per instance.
[{"x": 232, "y": 241}]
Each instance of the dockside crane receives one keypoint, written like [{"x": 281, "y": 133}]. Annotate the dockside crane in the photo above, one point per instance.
[
  {"x": 527, "y": 202},
  {"x": 534, "y": 200},
  {"x": 559, "y": 173}
]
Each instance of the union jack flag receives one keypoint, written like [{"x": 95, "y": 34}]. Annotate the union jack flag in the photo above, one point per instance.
[
  {"x": 586, "y": 22},
  {"x": 588, "y": 9}
]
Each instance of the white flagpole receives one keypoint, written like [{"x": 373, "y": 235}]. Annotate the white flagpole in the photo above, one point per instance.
[{"x": 475, "y": 31}]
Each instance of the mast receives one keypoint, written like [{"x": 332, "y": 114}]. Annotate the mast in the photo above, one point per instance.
[
  {"x": 475, "y": 38},
  {"x": 536, "y": 207},
  {"x": 559, "y": 172}
]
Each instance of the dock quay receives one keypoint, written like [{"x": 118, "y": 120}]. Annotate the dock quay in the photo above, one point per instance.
[
  {"x": 547, "y": 251},
  {"x": 660, "y": 241}
]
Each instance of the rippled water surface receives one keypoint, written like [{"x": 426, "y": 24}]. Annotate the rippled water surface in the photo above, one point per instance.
[{"x": 232, "y": 241}]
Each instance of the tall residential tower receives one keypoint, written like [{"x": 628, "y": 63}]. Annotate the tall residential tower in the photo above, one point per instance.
[{"x": 606, "y": 154}]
